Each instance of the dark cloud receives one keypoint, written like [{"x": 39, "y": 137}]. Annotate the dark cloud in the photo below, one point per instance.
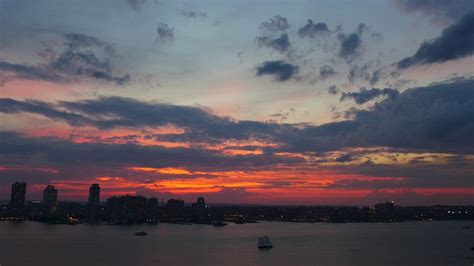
[
  {"x": 193, "y": 14},
  {"x": 274, "y": 35},
  {"x": 65, "y": 68},
  {"x": 370, "y": 73},
  {"x": 276, "y": 24},
  {"x": 77, "y": 61},
  {"x": 85, "y": 63},
  {"x": 376, "y": 75},
  {"x": 359, "y": 73},
  {"x": 365, "y": 95},
  {"x": 326, "y": 71},
  {"x": 439, "y": 117},
  {"x": 17, "y": 71},
  {"x": 129, "y": 112},
  {"x": 440, "y": 11},
  {"x": 165, "y": 32},
  {"x": 115, "y": 112},
  {"x": 282, "y": 116},
  {"x": 311, "y": 30},
  {"x": 361, "y": 28},
  {"x": 108, "y": 77},
  {"x": 281, "y": 44},
  {"x": 10, "y": 106},
  {"x": 436, "y": 118},
  {"x": 344, "y": 158},
  {"x": 53, "y": 151},
  {"x": 280, "y": 70},
  {"x": 333, "y": 90},
  {"x": 136, "y": 4},
  {"x": 75, "y": 41},
  {"x": 456, "y": 41},
  {"x": 426, "y": 174},
  {"x": 351, "y": 46}
]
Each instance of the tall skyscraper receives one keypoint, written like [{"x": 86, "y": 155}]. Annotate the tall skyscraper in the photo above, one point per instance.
[
  {"x": 174, "y": 209},
  {"x": 94, "y": 203},
  {"x": 201, "y": 211},
  {"x": 17, "y": 200},
  {"x": 50, "y": 200},
  {"x": 152, "y": 210}
]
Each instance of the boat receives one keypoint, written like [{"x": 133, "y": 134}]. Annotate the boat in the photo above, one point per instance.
[
  {"x": 466, "y": 227},
  {"x": 141, "y": 233},
  {"x": 264, "y": 243}
]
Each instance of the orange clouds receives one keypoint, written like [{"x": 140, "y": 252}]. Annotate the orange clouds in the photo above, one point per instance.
[
  {"x": 108, "y": 178},
  {"x": 166, "y": 171},
  {"x": 180, "y": 186},
  {"x": 313, "y": 178},
  {"x": 291, "y": 187},
  {"x": 242, "y": 152},
  {"x": 283, "y": 179}
]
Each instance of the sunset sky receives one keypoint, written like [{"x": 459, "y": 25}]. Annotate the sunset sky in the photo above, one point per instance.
[{"x": 271, "y": 102}]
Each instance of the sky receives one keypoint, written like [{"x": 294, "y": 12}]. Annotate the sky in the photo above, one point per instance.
[{"x": 257, "y": 102}]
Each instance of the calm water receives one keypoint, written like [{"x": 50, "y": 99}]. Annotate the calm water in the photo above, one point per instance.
[{"x": 413, "y": 243}]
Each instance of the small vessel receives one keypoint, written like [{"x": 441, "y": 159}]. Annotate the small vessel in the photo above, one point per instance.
[
  {"x": 264, "y": 242},
  {"x": 141, "y": 233},
  {"x": 466, "y": 227}
]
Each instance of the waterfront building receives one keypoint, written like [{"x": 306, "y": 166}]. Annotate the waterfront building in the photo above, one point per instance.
[
  {"x": 50, "y": 200},
  {"x": 17, "y": 199},
  {"x": 93, "y": 204}
]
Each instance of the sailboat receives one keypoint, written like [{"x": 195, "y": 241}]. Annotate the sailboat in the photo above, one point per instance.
[{"x": 264, "y": 242}]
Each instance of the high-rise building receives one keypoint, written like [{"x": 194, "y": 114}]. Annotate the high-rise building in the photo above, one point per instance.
[
  {"x": 126, "y": 209},
  {"x": 152, "y": 210},
  {"x": 17, "y": 200},
  {"x": 50, "y": 200},
  {"x": 201, "y": 203},
  {"x": 174, "y": 209},
  {"x": 201, "y": 211},
  {"x": 94, "y": 203}
]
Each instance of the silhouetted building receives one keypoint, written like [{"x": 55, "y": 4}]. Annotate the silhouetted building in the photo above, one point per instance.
[
  {"x": 201, "y": 211},
  {"x": 17, "y": 200},
  {"x": 152, "y": 210},
  {"x": 34, "y": 209},
  {"x": 201, "y": 203},
  {"x": 73, "y": 210},
  {"x": 174, "y": 209},
  {"x": 126, "y": 209},
  {"x": 174, "y": 203},
  {"x": 50, "y": 200},
  {"x": 93, "y": 211}
]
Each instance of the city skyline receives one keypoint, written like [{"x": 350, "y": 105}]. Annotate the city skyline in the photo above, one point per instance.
[
  {"x": 137, "y": 209},
  {"x": 282, "y": 102}
]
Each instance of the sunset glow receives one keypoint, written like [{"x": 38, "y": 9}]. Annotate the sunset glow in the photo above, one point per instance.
[{"x": 295, "y": 103}]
